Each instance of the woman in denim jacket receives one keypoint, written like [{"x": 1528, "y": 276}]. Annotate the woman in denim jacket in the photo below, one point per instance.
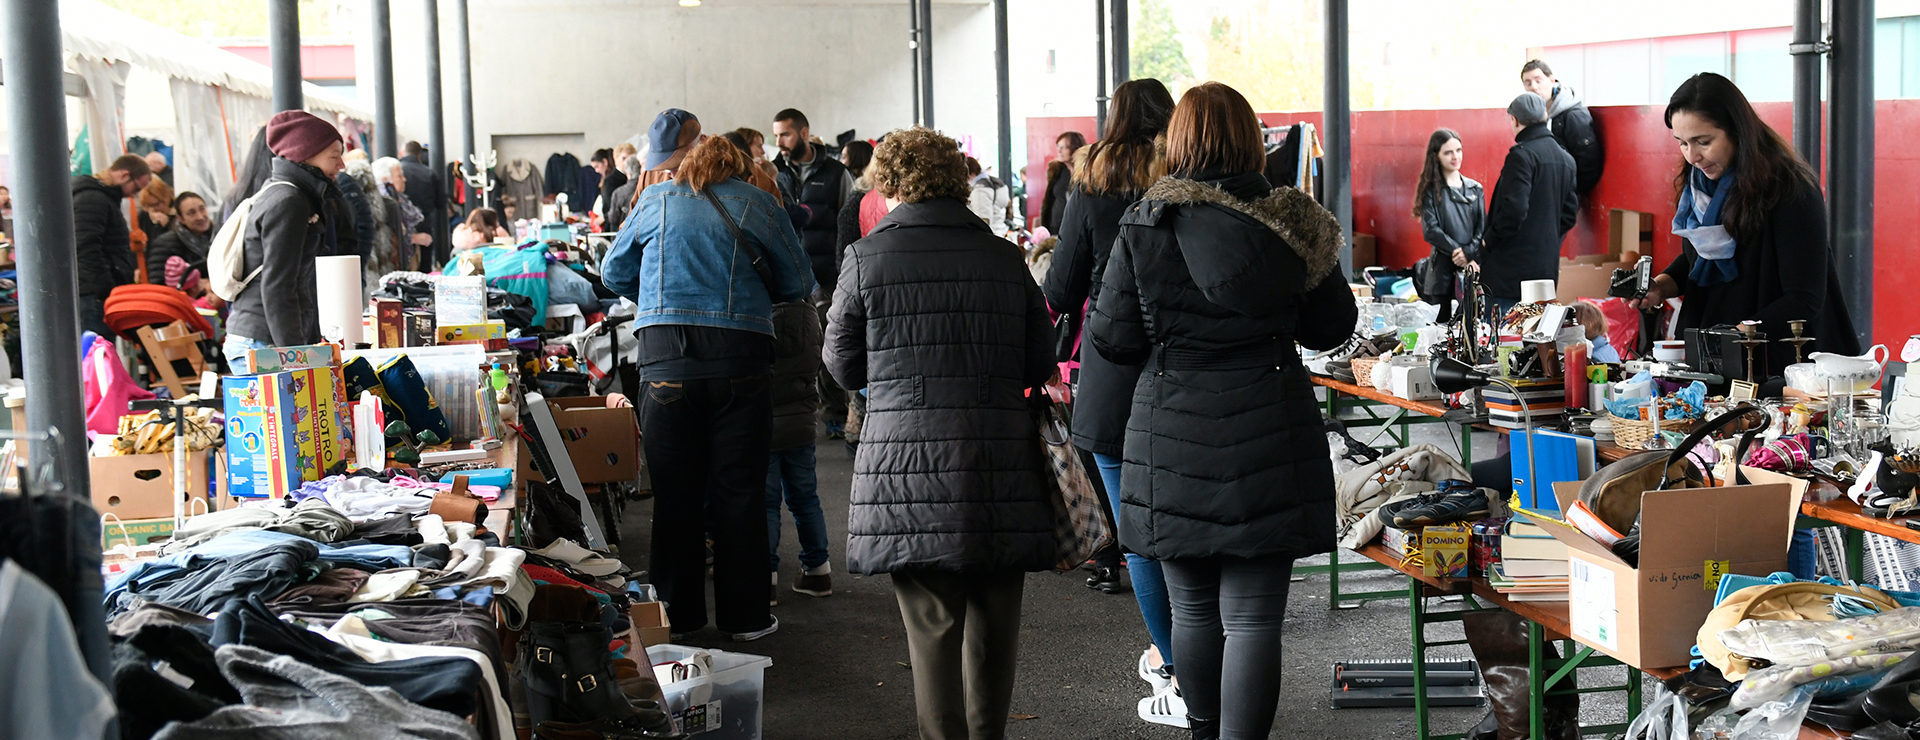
[{"x": 705, "y": 331}]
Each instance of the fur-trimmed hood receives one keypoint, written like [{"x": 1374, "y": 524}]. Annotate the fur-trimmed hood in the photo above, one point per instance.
[
  {"x": 1312, "y": 231},
  {"x": 1096, "y": 170}
]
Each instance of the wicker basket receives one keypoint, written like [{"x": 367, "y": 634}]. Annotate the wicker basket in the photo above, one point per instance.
[
  {"x": 1633, "y": 433},
  {"x": 1363, "y": 371}
]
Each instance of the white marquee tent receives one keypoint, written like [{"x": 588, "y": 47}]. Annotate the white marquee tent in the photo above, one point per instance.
[{"x": 219, "y": 99}]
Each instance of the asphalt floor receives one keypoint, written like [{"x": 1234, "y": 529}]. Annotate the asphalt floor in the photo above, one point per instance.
[{"x": 840, "y": 669}]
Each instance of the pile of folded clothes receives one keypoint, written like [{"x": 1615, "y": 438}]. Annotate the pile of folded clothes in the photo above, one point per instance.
[{"x": 356, "y": 612}]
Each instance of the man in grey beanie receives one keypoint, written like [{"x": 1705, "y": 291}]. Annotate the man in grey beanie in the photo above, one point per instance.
[{"x": 1534, "y": 206}]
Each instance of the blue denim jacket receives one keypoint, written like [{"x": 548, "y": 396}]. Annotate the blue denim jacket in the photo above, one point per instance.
[{"x": 675, "y": 258}]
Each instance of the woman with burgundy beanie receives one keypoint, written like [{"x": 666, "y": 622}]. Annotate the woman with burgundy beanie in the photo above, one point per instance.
[{"x": 286, "y": 233}]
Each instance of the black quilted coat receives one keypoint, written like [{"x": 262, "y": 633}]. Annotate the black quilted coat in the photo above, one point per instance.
[
  {"x": 1211, "y": 283},
  {"x": 942, "y": 324}
]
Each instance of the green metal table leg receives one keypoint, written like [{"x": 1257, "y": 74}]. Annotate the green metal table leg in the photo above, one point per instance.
[
  {"x": 1417, "y": 611},
  {"x": 1466, "y": 447},
  {"x": 1633, "y": 694},
  {"x": 1856, "y": 543},
  {"x": 1333, "y": 578},
  {"x": 1536, "y": 680}
]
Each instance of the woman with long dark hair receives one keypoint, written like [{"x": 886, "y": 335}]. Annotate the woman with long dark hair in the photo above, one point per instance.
[
  {"x": 1452, "y": 209},
  {"x": 1107, "y": 177},
  {"x": 1214, "y": 277},
  {"x": 1753, "y": 226},
  {"x": 1053, "y": 204},
  {"x": 1753, "y": 236}
]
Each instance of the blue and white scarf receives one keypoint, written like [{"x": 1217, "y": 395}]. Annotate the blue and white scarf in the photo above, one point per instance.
[{"x": 1698, "y": 221}]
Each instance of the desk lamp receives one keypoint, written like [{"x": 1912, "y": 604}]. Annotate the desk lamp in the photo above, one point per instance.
[{"x": 1450, "y": 375}]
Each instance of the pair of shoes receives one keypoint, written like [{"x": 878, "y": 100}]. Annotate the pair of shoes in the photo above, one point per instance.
[
  {"x": 819, "y": 584},
  {"x": 1461, "y": 504},
  {"x": 1165, "y": 707},
  {"x": 1389, "y": 513},
  {"x": 1158, "y": 678},
  {"x": 1105, "y": 579},
  {"x": 757, "y": 634},
  {"x": 836, "y": 431}
]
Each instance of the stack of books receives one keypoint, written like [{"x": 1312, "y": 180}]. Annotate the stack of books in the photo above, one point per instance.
[
  {"x": 1546, "y": 399},
  {"x": 1533, "y": 565}
]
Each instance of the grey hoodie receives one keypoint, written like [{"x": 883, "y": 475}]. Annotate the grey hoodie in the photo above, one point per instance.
[{"x": 1572, "y": 126}]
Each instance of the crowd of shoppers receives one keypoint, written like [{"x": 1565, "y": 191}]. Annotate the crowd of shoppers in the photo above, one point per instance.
[{"x": 766, "y": 286}]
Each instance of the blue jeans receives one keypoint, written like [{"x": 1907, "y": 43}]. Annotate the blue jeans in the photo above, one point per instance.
[
  {"x": 791, "y": 477},
  {"x": 1149, "y": 582},
  {"x": 1800, "y": 555},
  {"x": 235, "y": 349}
]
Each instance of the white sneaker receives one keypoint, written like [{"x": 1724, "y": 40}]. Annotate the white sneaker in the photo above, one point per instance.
[
  {"x": 1165, "y": 707},
  {"x": 1155, "y": 677}
]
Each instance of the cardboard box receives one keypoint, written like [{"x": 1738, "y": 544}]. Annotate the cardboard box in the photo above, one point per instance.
[
  {"x": 1649, "y": 616},
  {"x": 1628, "y": 231},
  {"x": 419, "y": 327},
  {"x": 390, "y": 325},
  {"x": 1443, "y": 548},
  {"x": 604, "y": 443},
  {"x": 1365, "y": 251},
  {"x": 495, "y": 329},
  {"x": 141, "y": 486},
  {"x": 282, "y": 429},
  {"x": 650, "y": 625},
  {"x": 135, "y": 532},
  {"x": 1585, "y": 280},
  {"x": 276, "y": 359}
]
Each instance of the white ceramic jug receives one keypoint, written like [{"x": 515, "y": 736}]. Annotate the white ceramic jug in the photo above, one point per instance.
[{"x": 1863, "y": 370}]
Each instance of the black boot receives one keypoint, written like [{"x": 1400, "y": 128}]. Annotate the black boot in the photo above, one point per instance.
[
  {"x": 569, "y": 673},
  {"x": 1204, "y": 729}
]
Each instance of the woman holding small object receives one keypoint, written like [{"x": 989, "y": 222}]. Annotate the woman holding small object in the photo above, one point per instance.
[
  {"x": 1753, "y": 227},
  {"x": 1753, "y": 230},
  {"x": 1452, "y": 209}
]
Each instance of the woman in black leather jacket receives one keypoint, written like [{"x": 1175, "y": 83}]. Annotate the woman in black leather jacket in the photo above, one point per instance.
[{"x": 1452, "y": 210}]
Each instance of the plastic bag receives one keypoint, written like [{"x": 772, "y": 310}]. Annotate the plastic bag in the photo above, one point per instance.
[
  {"x": 1800, "y": 643},
  {"x": 1775, "y": 720},
  {"x": 1775, "y": 682},
  {"x": 1664, "y": 718}
]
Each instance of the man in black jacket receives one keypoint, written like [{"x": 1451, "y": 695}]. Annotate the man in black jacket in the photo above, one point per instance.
[
  {"x": 820, "y": 183},
  {"x": 1534, "y": 206},
  {"x": 1571, "y": 123},
  {"x": 423, "y": 188},
  {"x": 103, "y": 257}
]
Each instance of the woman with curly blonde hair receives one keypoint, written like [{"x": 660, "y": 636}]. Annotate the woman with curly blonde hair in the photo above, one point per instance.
[{"x": 941, "y": 324}]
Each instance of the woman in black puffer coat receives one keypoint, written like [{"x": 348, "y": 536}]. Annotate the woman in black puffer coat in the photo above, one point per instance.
[
  {"x": 1214, "y": 277},
  {"x": 939, "y": 320},
  {"x": 1108, "y": 176}
]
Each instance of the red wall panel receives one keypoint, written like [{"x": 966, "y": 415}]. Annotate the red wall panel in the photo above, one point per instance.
[{"x": 1640, "y": 164}]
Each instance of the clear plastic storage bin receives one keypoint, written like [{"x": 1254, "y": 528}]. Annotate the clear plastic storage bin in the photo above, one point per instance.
[{"x": 724, "y": 705}]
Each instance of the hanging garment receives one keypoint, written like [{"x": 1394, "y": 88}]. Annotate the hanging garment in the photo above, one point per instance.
[
  {"x": 522, "y": 182},
  {"x": 45, "y": 688},
  {"x": 57, "y": 537},
  {"x": 563, "y": 176}
]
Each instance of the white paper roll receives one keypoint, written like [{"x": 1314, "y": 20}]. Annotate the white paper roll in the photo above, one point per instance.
[
  {"x": 337, "y": 284},
  {"x": 1536, "y": 291}
]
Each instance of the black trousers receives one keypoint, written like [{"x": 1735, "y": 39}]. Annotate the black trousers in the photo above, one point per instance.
[
  {"x": 1227, "y": 617},
  {"x": 708, "y": 443}
]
